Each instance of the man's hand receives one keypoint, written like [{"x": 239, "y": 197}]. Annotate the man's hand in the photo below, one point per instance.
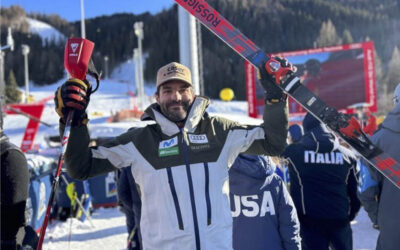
[
  {"x": 276, "y": 70},
  {"x": 74, "y": 95}
]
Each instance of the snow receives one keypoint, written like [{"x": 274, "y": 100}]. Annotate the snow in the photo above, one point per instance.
[
  {"x": 109, "y": 231},
  {"x": 44, "y": 30}
]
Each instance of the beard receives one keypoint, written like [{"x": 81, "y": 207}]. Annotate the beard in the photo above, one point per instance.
[{"x": 175, "y": 114}]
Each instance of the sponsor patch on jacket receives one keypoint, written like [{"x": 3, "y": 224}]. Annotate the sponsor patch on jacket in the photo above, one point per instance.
[
  {"x": 168, "y": 147},
  {"x": 198, "y": 139}
]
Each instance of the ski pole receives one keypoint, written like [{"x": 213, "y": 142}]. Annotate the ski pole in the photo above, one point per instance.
[
  {"x": 56, "y": 180},
  {"x": 79, "y": 202},
  {"x": 77, "y": 61}
]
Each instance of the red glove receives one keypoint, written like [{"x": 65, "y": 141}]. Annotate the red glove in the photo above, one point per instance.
[{"x": 274, "y": 72}]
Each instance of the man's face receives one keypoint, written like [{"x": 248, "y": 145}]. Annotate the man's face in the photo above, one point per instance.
[{"x": 175, "y": 98}]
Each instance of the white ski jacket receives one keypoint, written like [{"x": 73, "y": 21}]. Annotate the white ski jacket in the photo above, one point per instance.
[{"x": 180, "y": 172}]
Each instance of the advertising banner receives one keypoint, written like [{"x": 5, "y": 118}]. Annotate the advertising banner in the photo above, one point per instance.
[{"x": 343, "y": 76}]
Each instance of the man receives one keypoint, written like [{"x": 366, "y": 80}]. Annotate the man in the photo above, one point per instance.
[
  {"x": 264, "y": 216},
  {"x": 381, "y": 198},
  {"x": 323, "y": 186},
  {"x": 180, "y": 162}
]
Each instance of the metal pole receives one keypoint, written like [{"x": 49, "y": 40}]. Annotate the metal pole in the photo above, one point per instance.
[
  {"x": 188, "y": 50},
  {"x": 138, "y": 26},
  {"x": 106, "y": 67},
  {"x": 137, "y": 77},
  {"x": 83, "y": 31},
  {"x": 78, "y": 202},
  {"x": 200, "y": 58},
  {"x": 56, "y": 180},
  {"x": 2, "y": 83},
  {"x": 25, "y": 52}
]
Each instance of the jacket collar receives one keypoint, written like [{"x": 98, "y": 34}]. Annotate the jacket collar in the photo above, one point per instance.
[{"x": 170, "y": 128}]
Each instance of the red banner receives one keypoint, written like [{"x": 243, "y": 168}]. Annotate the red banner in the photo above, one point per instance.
[
  {"x": 343, "y": 76},
  {"x": 34, "y": 110}
]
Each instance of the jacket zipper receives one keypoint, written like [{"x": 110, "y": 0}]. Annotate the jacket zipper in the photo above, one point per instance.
[
  {"x": 175, "y": 197},
  {"x": 207, "y": 192},
  {"x": 191, "y": 191}
]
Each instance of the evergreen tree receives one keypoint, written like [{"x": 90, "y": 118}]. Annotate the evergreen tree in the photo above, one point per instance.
[
  {"x": 393, "y": 74},
  {"x": 327, "y": 35},
  {"x": 347, "y": 37},
  {"x": 13, "y": 95},
  {"x": 381, "y": 87}
]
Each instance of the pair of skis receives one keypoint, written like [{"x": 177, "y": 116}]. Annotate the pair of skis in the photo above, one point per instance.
[{"x": 347, "y": 128}]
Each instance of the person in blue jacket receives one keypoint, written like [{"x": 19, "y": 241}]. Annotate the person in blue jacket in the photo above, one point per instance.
[
  {"x": 323, "y": 187},
  {"x": 264, "y": 216},
  {"x": 294, "y": 135},
  {"x": 130, "y": 203}
]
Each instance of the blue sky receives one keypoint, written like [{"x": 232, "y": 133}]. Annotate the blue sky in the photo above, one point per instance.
[{"x": 70, "y": 9}]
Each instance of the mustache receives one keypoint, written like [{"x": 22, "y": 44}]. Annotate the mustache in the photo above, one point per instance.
[{"x": 184, "y": 104}]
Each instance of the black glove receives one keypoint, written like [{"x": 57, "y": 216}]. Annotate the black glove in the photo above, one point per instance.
[
  {"x": 272, "y": 76},
  {"x": 74, "y": 94}
]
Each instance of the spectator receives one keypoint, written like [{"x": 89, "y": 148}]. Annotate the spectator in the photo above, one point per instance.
[
  {"x": 129, "y": 200},
  {"x": 323, "y": 186},
  {"x": 381, "y": 198},
  {"x": 14, "y": 193},
  {"x": 264, "y": 216}
]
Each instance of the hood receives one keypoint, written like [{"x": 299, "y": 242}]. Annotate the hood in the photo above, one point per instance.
[
  {"x": 316, "y": 138},
  {"x": 296, "y": 132},
  {"x": 392, "y": 121},
  {"x": 310, "y": 122},
  {"x": 255, "y": 166},
  {"x": 195, "y": 113}
]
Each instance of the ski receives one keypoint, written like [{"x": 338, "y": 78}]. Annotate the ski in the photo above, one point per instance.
[{"x": 347, "y": 128}]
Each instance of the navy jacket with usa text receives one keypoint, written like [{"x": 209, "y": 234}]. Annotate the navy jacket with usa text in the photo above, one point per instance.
[{"x": 264, "y": 216}]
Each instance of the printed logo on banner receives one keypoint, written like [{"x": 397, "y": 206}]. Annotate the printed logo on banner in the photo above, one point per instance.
[
  {"x": 198, "y": 139},
  {"x": 168, "y": 147},
  {"x": 111, "y": 187}
]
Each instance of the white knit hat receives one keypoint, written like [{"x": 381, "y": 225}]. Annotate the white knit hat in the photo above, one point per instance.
[{"x": 396, "y": 96}]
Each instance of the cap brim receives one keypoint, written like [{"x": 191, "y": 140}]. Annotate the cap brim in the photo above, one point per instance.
[{"x": 174, "y": 79}]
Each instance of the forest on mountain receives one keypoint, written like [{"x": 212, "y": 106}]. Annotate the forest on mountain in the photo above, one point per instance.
[{"x": 274, "y": 25}]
